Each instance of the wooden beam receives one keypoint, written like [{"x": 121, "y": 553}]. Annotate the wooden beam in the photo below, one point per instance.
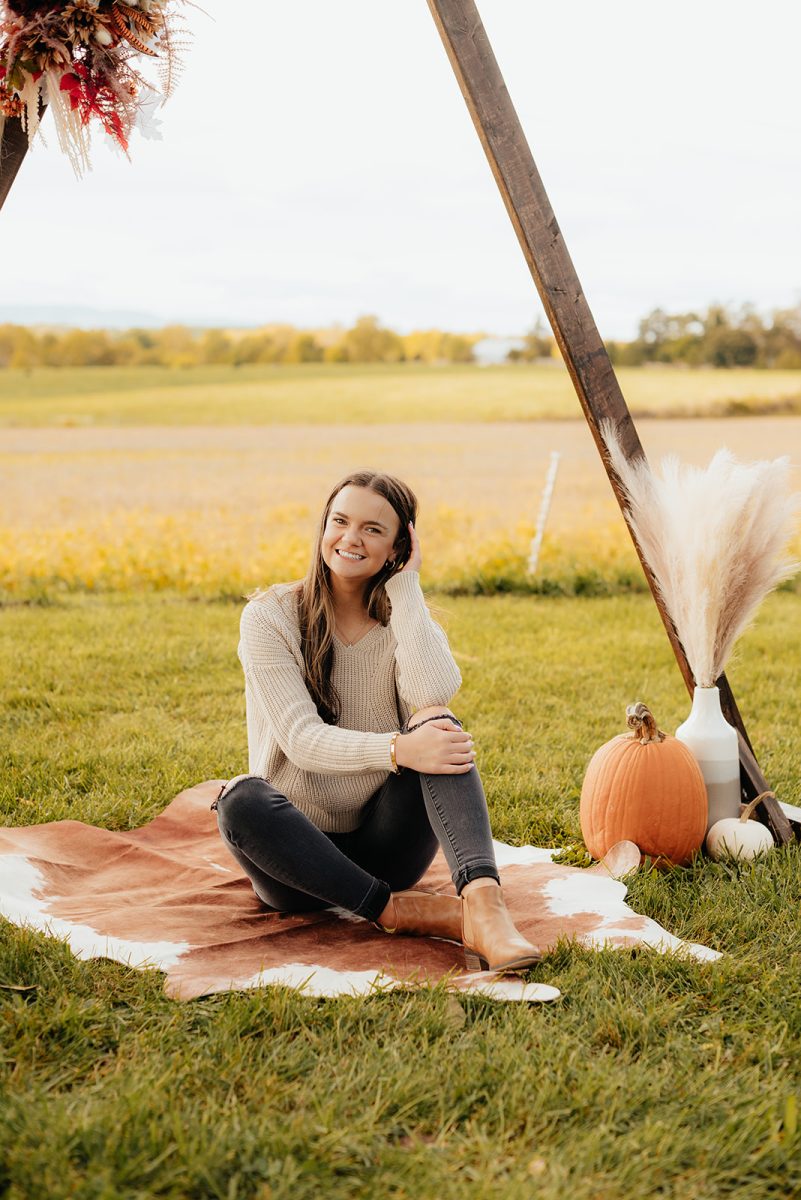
[
  {"x": 13, "y": 149},
  {"x": 576, "y": 333}
]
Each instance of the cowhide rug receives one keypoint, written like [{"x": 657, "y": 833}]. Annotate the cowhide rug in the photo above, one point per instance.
[{"x": 169, "y": 895}]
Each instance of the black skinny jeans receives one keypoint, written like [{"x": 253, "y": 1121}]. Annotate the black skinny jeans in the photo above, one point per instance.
[{"x": 295, "y": 867}]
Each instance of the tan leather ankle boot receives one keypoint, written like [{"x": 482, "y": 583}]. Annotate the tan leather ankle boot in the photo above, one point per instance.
[
  {"x": 491, "y": 941},
  {"x": 425, "y": 914}
]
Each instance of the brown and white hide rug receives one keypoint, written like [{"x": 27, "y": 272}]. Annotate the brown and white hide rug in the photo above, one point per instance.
[{"x": 169, "y": 895}]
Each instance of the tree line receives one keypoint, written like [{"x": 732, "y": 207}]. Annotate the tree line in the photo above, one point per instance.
[
  {"x": 719, "y": 336},
  {"x": 716, "y": 337},
  {"x": 367, "y": 341}
]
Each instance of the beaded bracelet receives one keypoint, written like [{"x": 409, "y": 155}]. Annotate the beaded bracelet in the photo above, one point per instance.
[{"x": 425, "y": 720}]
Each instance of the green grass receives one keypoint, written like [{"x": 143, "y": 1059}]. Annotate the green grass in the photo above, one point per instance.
[
  {"x": 652, "y": 1077},
  {"x": 313, "y": 395}
]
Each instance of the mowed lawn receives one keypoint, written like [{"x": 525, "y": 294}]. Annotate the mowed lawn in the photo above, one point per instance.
[
  {"x": 651, "y": 1077},
  {"x": 312, "y": 395}
]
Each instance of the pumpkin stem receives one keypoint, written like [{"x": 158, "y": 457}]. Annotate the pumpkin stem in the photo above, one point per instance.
[
  {"x": 640, "y": 718},
  {"x": 747, "y": 809}
]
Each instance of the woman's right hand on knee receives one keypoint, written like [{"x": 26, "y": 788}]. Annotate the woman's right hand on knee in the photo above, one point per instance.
[{"x": 436, "y": 748}]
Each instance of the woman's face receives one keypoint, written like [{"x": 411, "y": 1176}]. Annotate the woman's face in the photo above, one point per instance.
[{"x": 360, "y": 533}]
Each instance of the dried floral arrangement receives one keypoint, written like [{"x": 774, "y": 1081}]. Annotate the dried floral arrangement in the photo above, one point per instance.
[
  {"x": 82, "y": 60},
  {"x": 715, "y": 539}
]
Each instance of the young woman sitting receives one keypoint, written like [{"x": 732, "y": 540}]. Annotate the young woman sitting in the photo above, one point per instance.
[{"x": 358, "y": 769}]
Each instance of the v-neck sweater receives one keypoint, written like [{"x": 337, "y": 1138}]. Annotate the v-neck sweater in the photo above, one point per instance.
[{"x": 330, "y": 772}]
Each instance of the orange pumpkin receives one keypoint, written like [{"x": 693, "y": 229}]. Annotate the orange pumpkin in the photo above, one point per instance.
[{"x": 645, "y": 787}]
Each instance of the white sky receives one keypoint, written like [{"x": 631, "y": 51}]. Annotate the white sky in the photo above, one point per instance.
[{"x": 318, "y": 162}]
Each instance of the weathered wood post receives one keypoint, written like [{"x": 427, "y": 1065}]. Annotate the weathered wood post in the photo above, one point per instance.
[
  {"x": 576, "y": 333},
  {"x": 13, "y": 149}
]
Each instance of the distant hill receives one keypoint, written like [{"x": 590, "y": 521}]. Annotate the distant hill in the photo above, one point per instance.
[{"x": 73, "y": 316}]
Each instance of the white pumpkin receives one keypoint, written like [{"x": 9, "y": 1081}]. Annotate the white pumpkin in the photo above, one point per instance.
[{"x": 739, "y": 837}]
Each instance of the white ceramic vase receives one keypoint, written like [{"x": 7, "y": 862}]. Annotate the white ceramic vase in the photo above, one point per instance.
[{"x": 715, "y": 745}]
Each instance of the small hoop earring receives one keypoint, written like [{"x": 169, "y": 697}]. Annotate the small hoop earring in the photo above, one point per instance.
[{"x": 389, "y": 563}]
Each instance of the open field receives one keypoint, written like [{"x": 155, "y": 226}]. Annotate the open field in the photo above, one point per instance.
[
  {"x": 651, "y": 1077},
  {"x": 219, "y": 511},
  {"x": 314, "y": 395}
]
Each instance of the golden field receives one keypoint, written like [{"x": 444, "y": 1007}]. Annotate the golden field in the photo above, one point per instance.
[
  {"x": 371, "y": 394},
  {"x": 222, "y": 510}
]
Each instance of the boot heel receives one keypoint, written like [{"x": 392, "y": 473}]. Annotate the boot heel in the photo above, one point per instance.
[
  {"x": 491, "y": 940},
  {"x": 474, "y": 962}
]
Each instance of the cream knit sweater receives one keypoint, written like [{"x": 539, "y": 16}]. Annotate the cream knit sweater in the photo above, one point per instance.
[{"x": 330, "y": 771}]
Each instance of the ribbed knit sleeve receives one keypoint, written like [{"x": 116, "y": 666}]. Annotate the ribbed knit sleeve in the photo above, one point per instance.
[
  {"x": 426, "y": 671},
  {"x": 272, "y": 660}
]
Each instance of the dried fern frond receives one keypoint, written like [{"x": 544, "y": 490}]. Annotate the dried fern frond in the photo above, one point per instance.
[
  {"x": 82, "y": 60},
  {"x": 716, "y": 540}
]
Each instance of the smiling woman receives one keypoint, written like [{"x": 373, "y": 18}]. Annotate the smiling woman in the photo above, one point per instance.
[
  {"x": 362, "y": 540},
  {"x": 358, "y": 770}
]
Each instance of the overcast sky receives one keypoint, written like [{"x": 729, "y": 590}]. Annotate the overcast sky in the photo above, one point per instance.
[{"x": 318, "y": 162}]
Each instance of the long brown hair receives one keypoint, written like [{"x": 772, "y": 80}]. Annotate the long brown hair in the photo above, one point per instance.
[{"x": 315, "y": 600}]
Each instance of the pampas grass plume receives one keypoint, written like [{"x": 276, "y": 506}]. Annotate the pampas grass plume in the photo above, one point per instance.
[{"x": 715, "y": 539}]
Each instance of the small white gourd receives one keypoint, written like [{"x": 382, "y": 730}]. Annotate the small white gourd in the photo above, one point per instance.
[{"x": 740, "y": 837}]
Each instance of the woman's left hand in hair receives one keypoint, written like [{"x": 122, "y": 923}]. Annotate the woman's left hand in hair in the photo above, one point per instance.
[{"x": 415, "y": 559}]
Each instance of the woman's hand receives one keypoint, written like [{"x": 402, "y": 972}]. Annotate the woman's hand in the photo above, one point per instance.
[
  {"x": 415, "y": 559},
  {"x": 436, "y": 748}
]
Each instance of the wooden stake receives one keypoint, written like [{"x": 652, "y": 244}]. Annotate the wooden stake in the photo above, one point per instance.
[
  {"x": 576, "y": 333},
  {"x": 542, "y": 516}
]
